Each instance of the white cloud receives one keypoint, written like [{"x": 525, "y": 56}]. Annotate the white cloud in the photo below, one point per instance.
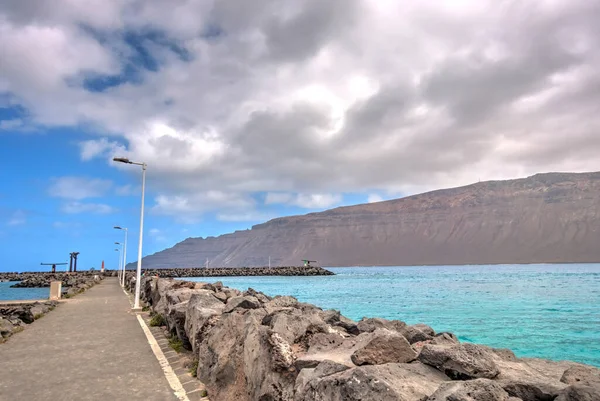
[
  {"x": 278, "y": 198},
  {"x": 79, "y": 187},
  {"x": 79, "y": 207},
  {"x": 189, "y": 208},
  {"x": 317, "y": 201},
  {"x": 157, "y": 235},
  {"x": 93, "y": 148},
  {"x": 246, "y": 216},
  {"x": 18, "y": 218},
  {"x": 305, "y": 100},
  {"x": 307, "y": 201},
  {"x": 372, "y": 198}
]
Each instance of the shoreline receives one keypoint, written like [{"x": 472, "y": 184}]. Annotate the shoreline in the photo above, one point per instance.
[{"x": 252, "y": 346}]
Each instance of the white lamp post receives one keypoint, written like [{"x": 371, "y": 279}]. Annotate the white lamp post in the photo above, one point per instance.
[
  {"x": 138, "y": 275},
  {"x": 118, "y": 250},
  {"x": 120, "y": 256},
  {"x": 120, "y": 259},
  {"x": 122, "y": 276}
]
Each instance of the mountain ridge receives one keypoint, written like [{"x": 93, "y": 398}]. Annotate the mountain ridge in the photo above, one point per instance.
[{"x": 544, "y": 218}]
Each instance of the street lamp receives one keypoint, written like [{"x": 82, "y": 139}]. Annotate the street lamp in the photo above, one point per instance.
[
  {"x": 122, "y": 277},
  {"x": 119, "y": 268},
  {"x": 120, "y": 254},
  {"x": 138, "y": 275},
  {"x": 118, "y": 250}
]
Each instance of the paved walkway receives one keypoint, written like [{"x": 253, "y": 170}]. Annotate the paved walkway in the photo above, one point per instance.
[{"x": 89, "y": 348}]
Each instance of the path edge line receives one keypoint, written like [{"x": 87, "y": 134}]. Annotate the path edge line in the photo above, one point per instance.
[{"x": 172, "y": 378}]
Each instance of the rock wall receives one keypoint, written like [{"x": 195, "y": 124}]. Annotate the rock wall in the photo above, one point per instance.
[
  {"x": 240, "y": 271},
  {"x": 40, "y": 280},
  {"x": 251, "y": 346}
]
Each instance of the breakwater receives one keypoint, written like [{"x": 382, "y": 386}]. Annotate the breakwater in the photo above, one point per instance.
[
  {"x": 251, "y": 346},
  {"x": 43, "y": 279},
  {"x": 240, "y": 271}
]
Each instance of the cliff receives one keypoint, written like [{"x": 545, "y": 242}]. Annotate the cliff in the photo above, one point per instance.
[{"x": 545, "y": 218}]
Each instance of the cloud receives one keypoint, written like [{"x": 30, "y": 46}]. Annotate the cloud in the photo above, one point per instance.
[
  {"x": 79, "y": 207},
  {"x": 305, "y": 100},
  {"x": 246, "y": 216},
  {"x": 79, "y": 187},
  {"x": 189, "y": 208},
  {"x": 306, "y": 201},
  {"x": 157, "y": 235},
  {"x": 18, "y": 218},
  {"x": 93, "y": 148},
  {"x": 317, "y": 201},
  {"x": 372, "y": 198}
]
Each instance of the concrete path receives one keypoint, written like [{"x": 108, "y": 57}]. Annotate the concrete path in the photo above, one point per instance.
[{"x": 89, "y": 348}]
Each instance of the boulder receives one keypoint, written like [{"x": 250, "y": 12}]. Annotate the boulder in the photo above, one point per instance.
[
  {"x": 339, "y": 353},
  {"x": 368, "y": 325},
  {"x": 551, "y": 369},
  {"x": 580, "y": 392},
  {"x": 335, "y": 319},
  {"x": 384, "y": 347},
  {"x": 471, "y": 390},
  {"x": 243, "y": 302},
  {"x": 175, "y": 318},
  {"x": 521, "y": 380},
  {"x": 505, "y": 354},
  {"x": 389, "y": 382},
  {"x": 262, "y": 298},
  {"x": 296, "y": 326},
  {"x": 444, "y": 339},
  {"x": 202, "y": 312},
  {"x": 242, "y": 360},
  {"x": 461, "y": 361},
  {"x": 425, "y": 329},
  {"x": 414, "y": 335},
  {"x": 581, "y": 374},
  {"x": 6, "y": 328}
]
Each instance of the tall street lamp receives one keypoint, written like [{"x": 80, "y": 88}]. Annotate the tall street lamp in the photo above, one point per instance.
[
  {"x": 138, "y": 275},
  {"x": 120, "y": 254},
  {"x": 122, "y": 276},
  {"x": 118, "y": 250}
]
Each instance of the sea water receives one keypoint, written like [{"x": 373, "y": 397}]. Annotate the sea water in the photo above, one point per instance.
[
  {"x": 17, "y": 294},
  {"x": 547, "y": 311}
]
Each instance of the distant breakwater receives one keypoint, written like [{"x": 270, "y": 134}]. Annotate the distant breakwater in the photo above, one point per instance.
[
  {"x": 239, "y": 271},
  {"x": 43, "y": 279}
]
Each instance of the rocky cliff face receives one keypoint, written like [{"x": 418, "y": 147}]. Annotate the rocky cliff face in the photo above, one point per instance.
[{"x": 546, "y": 218}]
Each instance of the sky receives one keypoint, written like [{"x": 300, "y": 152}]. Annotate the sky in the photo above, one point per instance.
[{"x": 245, "y": 111}]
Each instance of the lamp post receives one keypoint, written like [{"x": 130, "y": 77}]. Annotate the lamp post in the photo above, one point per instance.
[
  {"x": 118, "y": 250},
  {"x": 120, "y": 254},
  {"x": 138, "y": 275},
  {"x": 124, "y": 254}
]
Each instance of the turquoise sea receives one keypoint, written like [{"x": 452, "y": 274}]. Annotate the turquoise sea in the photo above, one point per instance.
[
  {"x": 14, "y": 294},
  {"x": 548, "y": 311}
]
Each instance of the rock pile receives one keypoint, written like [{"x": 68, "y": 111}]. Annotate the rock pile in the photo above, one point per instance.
[
  {"x": 254, "y": 347},
  {"x": 240, "y": 271},
  {"x": 72, "y": 280},
  {"x": 13, "y": 317}
]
